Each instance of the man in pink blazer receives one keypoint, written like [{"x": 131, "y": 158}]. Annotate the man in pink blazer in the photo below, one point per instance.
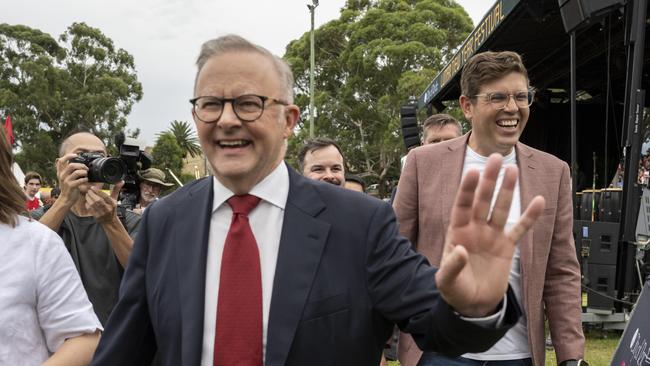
[{"x": 545, "y": 275}]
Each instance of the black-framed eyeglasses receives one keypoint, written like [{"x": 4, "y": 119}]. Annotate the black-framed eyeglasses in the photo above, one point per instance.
[
  {"x": 248, "y": 107},
  {"x": 499, "y": 100}
]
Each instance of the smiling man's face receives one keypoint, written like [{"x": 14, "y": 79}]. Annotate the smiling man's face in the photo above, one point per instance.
[
  {"x": 496, "y": 130},
  {"x": 325, "y": 164},
  {"x": 243, "y": 153}
]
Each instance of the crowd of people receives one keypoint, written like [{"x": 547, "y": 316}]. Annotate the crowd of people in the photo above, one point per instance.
[{"x": 262, "y": 264}]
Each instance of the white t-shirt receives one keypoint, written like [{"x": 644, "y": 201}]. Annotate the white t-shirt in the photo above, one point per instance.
[
  {"x": 42, "y": 300},
  {"x": 514, "y": 345}
]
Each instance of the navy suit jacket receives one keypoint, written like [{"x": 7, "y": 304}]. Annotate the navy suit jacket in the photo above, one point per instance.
[{"x": 344, "y": 276}]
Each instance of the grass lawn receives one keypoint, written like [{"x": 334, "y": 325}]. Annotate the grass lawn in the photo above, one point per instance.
[{"x": 599, "y": 350}]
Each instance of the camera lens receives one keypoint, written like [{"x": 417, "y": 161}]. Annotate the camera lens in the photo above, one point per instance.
[{"x": 107, "y": 170}]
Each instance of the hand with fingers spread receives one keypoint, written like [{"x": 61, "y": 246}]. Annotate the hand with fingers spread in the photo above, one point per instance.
[{"x": 477, "y": 256}]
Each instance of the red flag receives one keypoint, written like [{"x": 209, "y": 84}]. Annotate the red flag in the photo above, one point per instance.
[{"x": 9, "y": 130}]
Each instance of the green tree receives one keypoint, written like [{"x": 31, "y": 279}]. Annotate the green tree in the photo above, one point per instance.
[
  {"x": 167, "y": 154},
  {"x": 371, "y": 60},
  {"x": 52, "y": 87},
  {"x": 185, "y": 137}
]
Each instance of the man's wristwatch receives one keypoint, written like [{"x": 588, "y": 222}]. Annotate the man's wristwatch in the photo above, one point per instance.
[{"x": 574, "y": 363}]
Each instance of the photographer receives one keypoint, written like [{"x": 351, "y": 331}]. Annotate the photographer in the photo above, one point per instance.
[
  {"x": 152, "y": 181},
  {"x": 86, "y": 219}
]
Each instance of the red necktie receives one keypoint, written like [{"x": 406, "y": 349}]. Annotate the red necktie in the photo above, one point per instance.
[{"x": 238, "y": 338}]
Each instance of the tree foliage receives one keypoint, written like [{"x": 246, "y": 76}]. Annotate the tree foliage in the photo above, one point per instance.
[
  {"x": 371, "y": 60},
  {"x": 50, "y": 88},
  {"x": 167, "y": 154},
  {"x": 185, "y": 137}
]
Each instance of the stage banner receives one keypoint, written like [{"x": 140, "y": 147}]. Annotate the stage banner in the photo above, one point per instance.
[{"x": 468, "y": 48}]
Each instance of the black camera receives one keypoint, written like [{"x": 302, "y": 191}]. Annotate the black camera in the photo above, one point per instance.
[
  {"x": 134, "y": 160},
  {"x": 101, "y": 168}
]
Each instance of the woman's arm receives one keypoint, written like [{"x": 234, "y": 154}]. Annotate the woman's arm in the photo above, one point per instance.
[{"x": 77, "y": 351}]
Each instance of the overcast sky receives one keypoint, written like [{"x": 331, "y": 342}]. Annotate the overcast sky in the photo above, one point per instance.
[{"x": 164, "y": 37}]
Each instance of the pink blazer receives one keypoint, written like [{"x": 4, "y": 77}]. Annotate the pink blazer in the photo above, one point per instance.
[{"x": 549, "y": 267}]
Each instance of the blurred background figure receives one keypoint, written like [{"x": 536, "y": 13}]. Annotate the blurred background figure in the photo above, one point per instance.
[
  {"x": 355, "y": 183},
  {"x": 44, "y": 311},
  {"x": 152, "y": 181},
  {"x": 48, "y": 198},
  {"x": 54, "y": 195},
  {"x": 321, "y": 159},
  {"x": 45, "y": 198},
  {"x": 32, "y": 186},
  {"x": 440, "y": 127}
]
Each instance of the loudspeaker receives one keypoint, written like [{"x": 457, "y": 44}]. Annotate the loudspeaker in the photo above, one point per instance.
[
  {"x": 603, "y": 247},
  {"x": 581, "y": 232},
  {"x": 609, "y": 206},
  {"x": 590, "y": 200},
  {"x": 577, "y": 206},
  {"x": 601, "y": 279},
  {"x": 596, "y": 242},
  {"x": 576, "y": 13},
  {"x": 409, "y": 122}
]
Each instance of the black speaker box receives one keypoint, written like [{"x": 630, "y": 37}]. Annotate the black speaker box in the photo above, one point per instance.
[
  {"x": 577, "y": 205},
  {"x": 609, "y": 206},
  {"x": 601, "y": 279},
  {"x": 581, "y": 230},
  {"x": 590, "y": 200},
  {"x": 604, "y": 243},
  {"x": 596, "y": 242},
  {"x": 576, "y": 13},
  {"x": 409, "y": 124}
]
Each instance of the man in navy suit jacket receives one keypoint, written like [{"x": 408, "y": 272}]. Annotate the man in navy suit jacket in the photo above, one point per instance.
[{"x": 335, "y": 273}]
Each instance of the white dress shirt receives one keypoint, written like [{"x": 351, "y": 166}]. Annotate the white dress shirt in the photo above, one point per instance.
[{"x": 266, "y": 223}]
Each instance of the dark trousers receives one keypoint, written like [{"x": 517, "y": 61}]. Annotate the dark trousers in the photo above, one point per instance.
[{"x": 432, "y": 359}]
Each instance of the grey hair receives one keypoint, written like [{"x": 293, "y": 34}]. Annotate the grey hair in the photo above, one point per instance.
[{"x": 235, "y": 43}]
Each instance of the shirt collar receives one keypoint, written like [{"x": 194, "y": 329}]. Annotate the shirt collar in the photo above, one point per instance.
[{"x": 274, "y": 189}]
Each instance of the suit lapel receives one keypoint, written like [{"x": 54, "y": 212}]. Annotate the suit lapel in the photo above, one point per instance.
[
  {"x": 527, "y": 188},
  {"x": 301, "y": 246},
  {"x": 191, "y": 247},
  {"x": 452, "y": 164}
]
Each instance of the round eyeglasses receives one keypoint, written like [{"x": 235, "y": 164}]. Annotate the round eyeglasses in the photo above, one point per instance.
[
  {"x": 247, "y": 108},
  {"x": 499, "y": 100}
]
